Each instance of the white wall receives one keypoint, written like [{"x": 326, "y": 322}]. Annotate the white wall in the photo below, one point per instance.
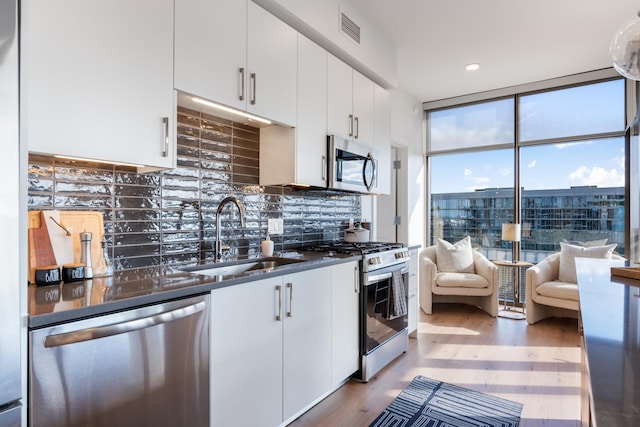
[
  {"x": 407, "y": 137},
  {"x": 407, "y": 127}
]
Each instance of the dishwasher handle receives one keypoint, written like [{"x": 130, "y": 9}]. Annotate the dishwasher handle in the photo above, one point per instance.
[{"x": 123, "y": 327}]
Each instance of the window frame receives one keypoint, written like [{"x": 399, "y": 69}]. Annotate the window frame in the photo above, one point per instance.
[{"x": 630, "y": 91}]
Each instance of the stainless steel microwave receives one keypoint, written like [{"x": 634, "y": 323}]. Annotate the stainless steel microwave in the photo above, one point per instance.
[{"x": 351, "y": 166}]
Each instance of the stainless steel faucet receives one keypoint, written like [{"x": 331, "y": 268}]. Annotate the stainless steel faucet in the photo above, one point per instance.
[{"x": 238, "y": 203}]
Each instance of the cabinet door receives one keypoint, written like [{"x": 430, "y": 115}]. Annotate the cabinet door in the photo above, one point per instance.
[
  {"x": 363, "y": 109},
  {"x": 97, "y": 79},
  {"x": 382, "y": 139},
  {"x": 246, "y": 354},
  {"x": 271, "y": 63},
  {"x": 345, "y": 287},
  {"x": 339, "y": 98},
  {"x": 311, "y": 131},
  {"x": 211, "y": 50},
  {"x": 307, "y": 338}
]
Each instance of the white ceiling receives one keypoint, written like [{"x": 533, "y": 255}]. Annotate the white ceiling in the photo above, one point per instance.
[{"x": 515, "y": 41}]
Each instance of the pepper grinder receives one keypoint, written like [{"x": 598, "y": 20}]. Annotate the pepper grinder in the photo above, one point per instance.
[{"x": 85, "y": 254}]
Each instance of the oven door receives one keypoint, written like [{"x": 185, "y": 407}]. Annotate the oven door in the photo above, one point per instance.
[
  {"x": 352, "y": 166},
  {"x": 378, "y": 322}
]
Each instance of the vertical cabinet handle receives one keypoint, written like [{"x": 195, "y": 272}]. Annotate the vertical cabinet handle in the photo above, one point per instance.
[
  {"x": 350, "y": 124},
  {"x": 290, "y": 287},
  {"x": 357, "y": 132},
  {"x": 356, "y": 280},
  {"x": 253, "y": 88},
  {"x": 279, "y": 291},
  {"x": 241, "y": 77},
  {"x": 324, "y": 167},
  {"x": 165, "y": 142}
]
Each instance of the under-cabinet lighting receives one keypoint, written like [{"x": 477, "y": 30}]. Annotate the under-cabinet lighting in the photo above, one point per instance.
[
  {"x": 231, "y": 110},
  {"x": 82, "y": 159},
  {"x": 472, "y": 67}
]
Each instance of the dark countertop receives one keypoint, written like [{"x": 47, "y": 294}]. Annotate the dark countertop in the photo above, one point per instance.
[
  {"x": 133, "y": 288},
  {"x": 610, "y": 311}
]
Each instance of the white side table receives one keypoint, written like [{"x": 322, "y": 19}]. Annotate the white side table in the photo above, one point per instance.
[{"x": 513, "y": 312}]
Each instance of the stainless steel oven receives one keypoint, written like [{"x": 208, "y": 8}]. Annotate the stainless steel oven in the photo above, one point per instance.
[
  {"x": 351, "y": 166},
  {"x": 383, "y": 310}
]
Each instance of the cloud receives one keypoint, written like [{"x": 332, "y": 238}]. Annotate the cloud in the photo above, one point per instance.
[
  {"x": 562, "y": 146},
  {"x": 532, "y": 164},
  {"x": 468, "y": 172},
  {"x": 619, "y": 162},
  {"x": 597, "y": 176}
]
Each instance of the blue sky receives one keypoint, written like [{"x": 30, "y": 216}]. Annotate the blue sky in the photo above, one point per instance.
[{"x": 553, "y": 166}]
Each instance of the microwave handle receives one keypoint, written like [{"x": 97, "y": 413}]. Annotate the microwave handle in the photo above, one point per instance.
[{"x": 369, "y": 182}]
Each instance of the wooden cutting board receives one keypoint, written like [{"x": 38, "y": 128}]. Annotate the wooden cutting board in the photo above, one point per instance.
[
  {"x": 60, "y": 235},
  {"x": 40, "y": 250},
  {"x": 76, "y": 222}
]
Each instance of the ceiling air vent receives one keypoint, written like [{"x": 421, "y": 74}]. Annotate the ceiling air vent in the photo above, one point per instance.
[{"x": 349, "y": 28}]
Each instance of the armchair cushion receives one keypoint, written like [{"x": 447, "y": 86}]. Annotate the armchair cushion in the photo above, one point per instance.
[
  {"x": 455, "y": 258},
  {"x": 561, "y": 290},
  {"x": 568, "y": 253},
  {"x": 461, "y": 280}
]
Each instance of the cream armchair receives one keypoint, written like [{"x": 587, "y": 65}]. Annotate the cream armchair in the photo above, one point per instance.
[
  {"x": 479, "y": 288},
  {"x": 546, "y": 295}
]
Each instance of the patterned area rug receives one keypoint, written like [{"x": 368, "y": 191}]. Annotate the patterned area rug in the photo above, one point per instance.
[{"x": 430, "y": 403}]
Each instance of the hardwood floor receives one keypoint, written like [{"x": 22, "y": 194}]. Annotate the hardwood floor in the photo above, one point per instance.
[{"x": 536, "y": 365}]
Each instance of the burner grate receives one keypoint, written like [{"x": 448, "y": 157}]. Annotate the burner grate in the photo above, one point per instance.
[{"x": 362, "y": 248}]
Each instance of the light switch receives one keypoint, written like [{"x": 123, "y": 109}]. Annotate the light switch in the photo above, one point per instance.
[{"x": 275, "y": 225}]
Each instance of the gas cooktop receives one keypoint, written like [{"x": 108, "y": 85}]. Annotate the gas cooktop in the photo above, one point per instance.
[{"x": 361, "y": 248}]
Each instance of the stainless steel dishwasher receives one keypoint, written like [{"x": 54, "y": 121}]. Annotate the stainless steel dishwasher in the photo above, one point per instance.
[{"x": 144, "y": 367}]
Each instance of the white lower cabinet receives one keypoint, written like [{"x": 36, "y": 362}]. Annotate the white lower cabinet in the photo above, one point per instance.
[
  {"x": 270, "y": 348},
  {"x": 345, "y": 294},
  {"x": 307, "y": 338},
  {"x": 246, "y": 355}
]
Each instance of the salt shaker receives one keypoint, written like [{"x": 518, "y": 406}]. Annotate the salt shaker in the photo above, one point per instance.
[{"x": 85, "y": 254}]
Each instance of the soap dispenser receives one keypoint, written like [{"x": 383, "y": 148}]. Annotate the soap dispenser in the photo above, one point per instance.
[{"x": 267, "y": 246}]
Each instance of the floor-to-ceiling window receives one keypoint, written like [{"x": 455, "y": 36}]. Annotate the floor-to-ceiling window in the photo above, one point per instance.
[{"x": 562, "y": 149}]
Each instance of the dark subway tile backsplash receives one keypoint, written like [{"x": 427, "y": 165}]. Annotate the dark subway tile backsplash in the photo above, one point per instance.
[{"x": 169, "y": 217}]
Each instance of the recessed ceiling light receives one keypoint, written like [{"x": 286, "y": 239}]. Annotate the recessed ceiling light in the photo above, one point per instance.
[{"x": 472, "y": 67}]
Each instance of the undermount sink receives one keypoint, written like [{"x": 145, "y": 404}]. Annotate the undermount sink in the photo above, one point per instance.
[{"x": 237, "y": 267}]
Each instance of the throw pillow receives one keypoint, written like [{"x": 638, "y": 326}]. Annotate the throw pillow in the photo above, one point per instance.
[
  {"x": 455, "y": 258},
  {"x": 568, "y": 254}
]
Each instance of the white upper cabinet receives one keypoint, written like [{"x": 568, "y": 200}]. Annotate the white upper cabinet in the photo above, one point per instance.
[
  {"x": 359, "y": 110},
  {"x": 236, "y": 53},
  {"x": 382, "y": 139},
  {"x": 211, "y": 50},
  {"x": 350, "y": 111},
  {"x": 311, "y": 130},
  {"x": 272, "y": 49},
  {"x": 339, "y": 98},
  {"x": 298, "y": 156},
  {"x": 363, "y": 109},
  {"x": 96, "y": 80}
]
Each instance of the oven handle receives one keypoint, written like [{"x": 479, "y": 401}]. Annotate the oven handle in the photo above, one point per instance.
[{"x": 372, "y": 278}]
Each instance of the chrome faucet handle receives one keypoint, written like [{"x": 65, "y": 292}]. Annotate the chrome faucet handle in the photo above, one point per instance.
[{"x": 222, "y": 251}]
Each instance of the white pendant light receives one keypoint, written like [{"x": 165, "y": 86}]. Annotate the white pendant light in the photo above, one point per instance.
[{"x": 625, "y": 48}]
